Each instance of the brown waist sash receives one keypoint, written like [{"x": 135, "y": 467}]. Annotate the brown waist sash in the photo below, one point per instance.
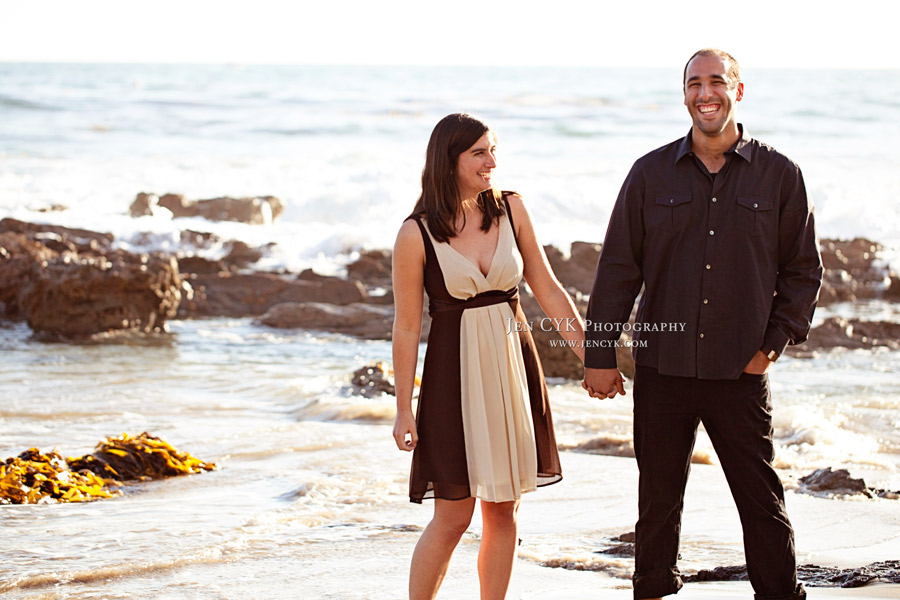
[{"x": 476, "y": 301}]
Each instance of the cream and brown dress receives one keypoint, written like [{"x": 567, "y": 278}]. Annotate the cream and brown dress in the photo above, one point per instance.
[{"x": 483, "y": 418}]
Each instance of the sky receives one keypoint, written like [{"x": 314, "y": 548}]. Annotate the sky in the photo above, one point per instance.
[{"x": 659, "y": 33}]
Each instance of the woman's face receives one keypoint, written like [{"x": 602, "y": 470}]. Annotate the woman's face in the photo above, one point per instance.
[{"x": 475, "y": 166}]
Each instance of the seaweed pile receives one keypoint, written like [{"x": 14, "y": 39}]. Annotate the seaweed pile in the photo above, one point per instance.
[{"x": 33, "y": 477}]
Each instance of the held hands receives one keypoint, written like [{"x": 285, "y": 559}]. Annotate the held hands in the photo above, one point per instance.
[
  {"x": 603, "y": 383},
  {"x": 405, "y": 434}
]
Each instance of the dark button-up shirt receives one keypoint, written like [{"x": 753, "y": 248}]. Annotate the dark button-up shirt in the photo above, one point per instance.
[{"x": 729, "y": 262}]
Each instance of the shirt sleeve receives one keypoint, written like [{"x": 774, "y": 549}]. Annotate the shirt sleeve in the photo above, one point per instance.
[
  {"x": 618, "y": 279},
  {"x": 799, "y": 267}
]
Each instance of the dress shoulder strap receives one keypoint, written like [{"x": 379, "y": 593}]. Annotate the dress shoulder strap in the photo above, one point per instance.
[
  {"x": 509, "y": 216},
  {"x": 426, "y": 238}
]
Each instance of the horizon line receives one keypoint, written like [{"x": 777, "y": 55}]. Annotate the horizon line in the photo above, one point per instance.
[{"x": 230, "y": 63}]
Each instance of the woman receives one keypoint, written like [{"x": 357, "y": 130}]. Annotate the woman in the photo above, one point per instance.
[{"x": 483, "y": 427}]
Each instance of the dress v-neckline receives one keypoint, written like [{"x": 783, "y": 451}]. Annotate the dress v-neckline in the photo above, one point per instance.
[{"x": 493, "y": 256}]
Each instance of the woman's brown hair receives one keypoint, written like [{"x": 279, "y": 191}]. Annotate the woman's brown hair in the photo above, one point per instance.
[{"x": 440, "y": 202}]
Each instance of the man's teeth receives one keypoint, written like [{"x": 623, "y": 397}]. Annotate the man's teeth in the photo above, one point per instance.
[{"x": 709, "y": 109}]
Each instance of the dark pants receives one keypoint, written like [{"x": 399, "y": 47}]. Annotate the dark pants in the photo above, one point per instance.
[{"x": 737, "y": 415}]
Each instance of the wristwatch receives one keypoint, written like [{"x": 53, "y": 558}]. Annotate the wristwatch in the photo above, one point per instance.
[{"x": 770, "y": 354}]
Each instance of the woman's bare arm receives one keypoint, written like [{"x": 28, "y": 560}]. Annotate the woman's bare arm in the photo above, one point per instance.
[{"x": 408, "y": 281}]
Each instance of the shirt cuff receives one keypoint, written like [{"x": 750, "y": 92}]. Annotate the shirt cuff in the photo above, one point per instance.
[
  {"x": 775, "y": 340},
  {"x": 600, "y": 358}
]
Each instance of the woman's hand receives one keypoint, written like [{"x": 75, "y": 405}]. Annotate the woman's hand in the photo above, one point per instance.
[{"x": 405, "y": 434}]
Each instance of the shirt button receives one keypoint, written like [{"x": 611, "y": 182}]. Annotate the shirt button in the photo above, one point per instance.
[
  {"x": 755, "y": 205},
  {"x": 708, "y": 267},
  {"x": 711, "y": 232},
  {"x": 706, "y": 301},
  {"x": 715, "y": 200},
  {"x": 671, "y": 200},
  {"x": 701, "y": 336}
]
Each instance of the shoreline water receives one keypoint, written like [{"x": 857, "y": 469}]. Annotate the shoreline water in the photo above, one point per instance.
[
  {"x": 310, "y": 497},
  {"x": 595, "y": 501}
]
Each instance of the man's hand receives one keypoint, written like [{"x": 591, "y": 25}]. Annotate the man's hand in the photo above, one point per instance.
[
  {"x": 603, "y": 383},
  {"x": 758, "y": 365}
]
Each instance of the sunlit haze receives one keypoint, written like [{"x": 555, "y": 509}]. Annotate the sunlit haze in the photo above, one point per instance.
[{"x": 765, "y": 33}]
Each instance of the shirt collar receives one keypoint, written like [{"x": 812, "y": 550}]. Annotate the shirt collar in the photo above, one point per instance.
[{"x": 742, "y": 147}]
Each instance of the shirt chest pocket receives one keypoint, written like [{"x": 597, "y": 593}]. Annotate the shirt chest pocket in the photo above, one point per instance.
[
  {"x": 671, "y": 212},
  {"x": 756, "y": 216}
]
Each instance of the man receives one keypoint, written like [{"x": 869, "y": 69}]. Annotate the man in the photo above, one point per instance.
[{"x": 718, "y": 229}]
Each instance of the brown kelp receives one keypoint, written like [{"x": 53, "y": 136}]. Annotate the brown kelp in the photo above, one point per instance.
[{"x": 34, "y": 477}]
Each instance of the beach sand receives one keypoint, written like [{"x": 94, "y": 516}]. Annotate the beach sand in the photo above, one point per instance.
[{"x": 595, "y": 502}]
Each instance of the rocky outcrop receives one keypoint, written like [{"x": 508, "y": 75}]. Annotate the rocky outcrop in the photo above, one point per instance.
[
  {"x": 852, "y": 271},
  {"x": 365, "y": 321},
  {"x": 373, "y": 380},
  {"x": 373, "y": 267},
  {"x": 68, "y": 283},
  {"x": 76, "y": 268},
  {"x": 254, "y": 211},
  {"x": 60, "y": 238},
  {"x": 838, "y": 332},
  {"x": 826, "y": 481},
  {"x": 557, "y": 359},
  {"x": 813, "y": 575},
  {"x": 226, "y": 294},
  {"x": 120, "y": 291},
  {"x": 575, "y": 272},
  {"x": 20, "y": 257}
]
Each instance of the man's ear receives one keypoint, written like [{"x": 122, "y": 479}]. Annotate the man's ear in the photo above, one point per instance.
[{"x": 740, "y": 91}]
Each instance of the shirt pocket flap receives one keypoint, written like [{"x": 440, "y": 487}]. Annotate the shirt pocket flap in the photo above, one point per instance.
[
  {"x": 755, "y": 204},
  {"x": 673, "y": 198}
]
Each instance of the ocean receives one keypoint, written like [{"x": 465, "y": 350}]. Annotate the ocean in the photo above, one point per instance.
[{"x": 309, "y": 499}]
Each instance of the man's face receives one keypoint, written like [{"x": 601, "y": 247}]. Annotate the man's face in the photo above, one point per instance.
[{"x": 710, "y": 94}]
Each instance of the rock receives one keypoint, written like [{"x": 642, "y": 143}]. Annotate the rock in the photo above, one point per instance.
[
  {"x": 240, "y": 255},
  {"x": 852, "y": 271},
  {"x": 837, "y": 332},
  {"x": 20, "y": 258},
  {"x": 373, "y": 268},
  {"x": 605, "y": 444},
  {"x": 199, "y": 239},
  {"x": 893, "y": 291},
  {"x": 838, "y": 482},
  {"x": 373, "y": 380},
  {"x": 254, "y": 211},
  {"x": 624, "y": 547},
  {"x": 52, "y": 208},
  {"x": 227, "y": 294},
  {"x": 68, "y": 282},
  {"x": 813, "y": 575},
  {"x": 577, "y": 271},
  {"x": 557, "y": 361},
  {"x": 143, "y": 205},
  {"x": 826, "y": 480},
  {"x": 879, "y": 572},
  {"x": 734, "y": 573},
  {"x": 81, "y": 296},
  {"x": 84, "y": 240},
  {"x": 197, "y": 264},
  {"x": 366, "y": 321}
]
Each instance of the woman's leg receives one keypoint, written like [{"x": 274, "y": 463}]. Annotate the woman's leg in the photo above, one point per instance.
[
  {"x": 499, "y": 538},
  {"x": 434, "y": 549}
]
